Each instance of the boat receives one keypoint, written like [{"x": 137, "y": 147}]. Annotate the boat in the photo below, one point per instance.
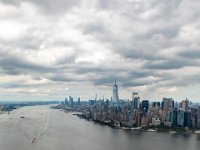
[
  {"x": 136, "y": 128},
  {"x": 33, "y": 140},
  {"x": 125, "y": 128},
  {"x": 197, "y": 132},
  {"x": 151, "y": 130},
  {"x": 172, "y": 132}
]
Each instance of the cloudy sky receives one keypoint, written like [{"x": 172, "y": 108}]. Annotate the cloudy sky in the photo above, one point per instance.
[{"x": 50, "y": 49}]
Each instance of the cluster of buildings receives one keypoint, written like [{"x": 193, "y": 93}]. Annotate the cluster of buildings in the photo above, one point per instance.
[{"x": 139, "y": 113}]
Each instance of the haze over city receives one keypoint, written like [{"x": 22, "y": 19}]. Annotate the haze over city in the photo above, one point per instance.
[{"x": 56, "y": 48}]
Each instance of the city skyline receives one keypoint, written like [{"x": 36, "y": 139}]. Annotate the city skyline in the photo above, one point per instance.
[
  {"x": 51, "y": 49},
  {"x": 115, "y": 98}
]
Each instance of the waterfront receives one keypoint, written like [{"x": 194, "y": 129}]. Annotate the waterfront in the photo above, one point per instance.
[{"x": 56, "y": 130}]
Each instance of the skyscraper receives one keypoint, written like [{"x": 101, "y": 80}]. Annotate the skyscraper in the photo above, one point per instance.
[
  {"x": 115, "y": 92},
  {"x": 167, "y": 104},
  {"x": 184, "y": 104},
  {"x": 145, "y": 105},
  {"x": 198, "y": 117},
  {"x": 136, "y": 100},
  {"x": 180, "y": 117},
  {"x": 71, "y": 101}
]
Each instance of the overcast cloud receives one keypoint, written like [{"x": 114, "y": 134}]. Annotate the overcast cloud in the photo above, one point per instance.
[{"x": 50, "y": 49}]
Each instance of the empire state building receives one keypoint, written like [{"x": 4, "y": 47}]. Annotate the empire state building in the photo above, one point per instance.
[{"x": 115, "y": 92}]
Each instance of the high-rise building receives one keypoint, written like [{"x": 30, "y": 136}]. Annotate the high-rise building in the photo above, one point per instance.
[
  {"x": 66, "y": 102},
  {"x": 198, "y": 117},
  {"x": 184, "y": 104},
  {"x": 145, "y": 105},
  {"x": 155, "y": 104},
  {"x": 136, "y": 101},
  {"x": 71, "y": 101},
  {"x": 169, "y": 116},
  {"x": 180, "y": 117},
  {"x": 115, "y": 92},
  {"x": 167, "y": 104},
  {"x": 134, "y": 94},
  {"x": 174, "y": 122},
  {"x": 96, "y": 97},
  {"x": 79, "y": 101},
  {"x": 188, "y": 119}
]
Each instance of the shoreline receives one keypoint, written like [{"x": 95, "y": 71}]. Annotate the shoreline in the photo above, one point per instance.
[
  {"x": 118, "y": 125},
  {"x": 146, "y": 128}
]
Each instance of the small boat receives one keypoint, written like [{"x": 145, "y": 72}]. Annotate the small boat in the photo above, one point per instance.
[
  {"x": 33, "y": 140},
  {"x": 197, "y": 132},
  {"x": 125, "y": 128},
  {"x": 136, "y": 128},
  {"x": 172, "y": 132},
  {"x": 151, "y": 130}
]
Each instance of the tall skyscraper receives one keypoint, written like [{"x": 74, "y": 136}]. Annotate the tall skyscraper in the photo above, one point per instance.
[
  {"x": 198, "y": 117},
  {"x": 115, "y": 92},
  {"x": 145, "y": 105},
  {"x": 136, "y": 100},
  {"x": 167, "y": 104},
  {"x": 66, "y": 102},
  {"x": 188, "y": 119},
  {"x": 79, "y": 101},
  {"x": 184, "y": 104},
  {"x": 71, "y": 101},
  {"x": 180, "y": 117},
  {"x": 174, "y": 122}
]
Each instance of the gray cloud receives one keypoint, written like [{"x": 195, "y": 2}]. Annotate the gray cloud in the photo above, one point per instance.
[
  {"x": 150, "y": 45},
  {"x": 191, "y": 54},
  {"x": 16, "y": 64},
  {"x": 170, "y": 64},
  {"x": 48, "y": 7}
]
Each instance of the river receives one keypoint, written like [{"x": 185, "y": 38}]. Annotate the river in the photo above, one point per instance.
[{"x": 55, "y": 130}]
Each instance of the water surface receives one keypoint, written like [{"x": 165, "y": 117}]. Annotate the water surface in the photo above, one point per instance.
[{"x": 56, "y": 130}]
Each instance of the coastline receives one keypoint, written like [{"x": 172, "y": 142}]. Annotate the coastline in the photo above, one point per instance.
[
  {"x": 146, "y": 128},
  {"x": 118, "y": 125}
]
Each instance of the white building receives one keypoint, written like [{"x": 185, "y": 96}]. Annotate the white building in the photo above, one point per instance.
[{"x": 156, "y": 121}]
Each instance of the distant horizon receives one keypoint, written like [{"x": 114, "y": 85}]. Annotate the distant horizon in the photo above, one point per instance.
[{"x": 75, "y": 99}]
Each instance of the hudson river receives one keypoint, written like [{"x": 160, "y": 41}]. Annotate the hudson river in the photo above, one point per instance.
[{"x": 42, "y": 128}]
